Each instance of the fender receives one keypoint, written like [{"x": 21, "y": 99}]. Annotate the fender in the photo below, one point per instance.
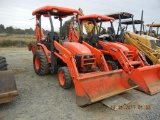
[
  {"x": 46, "y": 51},
  {"x": 40, "y": 46}
]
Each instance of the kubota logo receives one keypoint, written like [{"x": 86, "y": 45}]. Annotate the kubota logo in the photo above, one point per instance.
[
  {"x": 65, "y": 44},
  {"x": 84, "y": 51},
  {"x": 65, "y": 55}
]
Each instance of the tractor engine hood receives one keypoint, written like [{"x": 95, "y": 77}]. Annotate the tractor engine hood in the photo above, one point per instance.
[
  {"x": 124, "y": 48},
  {"x": 76, "y": 48},
  {"x": 113, "y": 46}
]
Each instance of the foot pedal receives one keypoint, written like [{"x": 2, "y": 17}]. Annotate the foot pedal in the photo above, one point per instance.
[{"x": 115, "y": 102}]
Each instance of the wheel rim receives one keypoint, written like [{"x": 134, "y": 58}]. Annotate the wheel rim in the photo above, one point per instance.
[
  {"x": 61, "y": 78},
  {"x": 109, "y": 67},
  {"x": 37, "y": 63}
]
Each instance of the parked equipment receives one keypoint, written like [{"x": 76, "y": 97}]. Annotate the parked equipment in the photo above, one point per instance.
[
  {"x": 122, "y": 55},
  {"x": 145, "y": 33},
  {"x": 149, "y": 46},
  {"x": 8, "y": 88},
  {"x": 132, "y": 23},
  {"x": 75, "y": 63},
  {"x": 154, "y": 33}
]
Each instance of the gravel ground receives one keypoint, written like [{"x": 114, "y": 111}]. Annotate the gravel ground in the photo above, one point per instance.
[{"x": 41, "y": 98}]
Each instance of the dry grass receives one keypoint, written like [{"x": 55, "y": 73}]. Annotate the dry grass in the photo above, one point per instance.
[
  {"x": 17, "y": 49},
  {"x": 26, "y": 38},
  {"x": 7, "y": 40}
]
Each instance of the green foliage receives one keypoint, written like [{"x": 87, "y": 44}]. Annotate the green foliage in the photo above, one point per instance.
[
  {"x": 2, "y": 28},
  {"x": 29, "y": 31},
  {"x": 16, "y": 43},
  {"x": 65, "y": 27},
  {"x": 11, "y": 30}
]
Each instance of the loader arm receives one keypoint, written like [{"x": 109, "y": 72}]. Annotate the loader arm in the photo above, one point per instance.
[
  {"x": 67, "y": 57},
  {"x": 124, "y": 58},
  {"x": 99, "y": 56},
  {"x": 146, "y": 77}
]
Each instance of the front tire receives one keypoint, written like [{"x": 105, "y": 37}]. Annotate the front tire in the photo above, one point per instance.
[
  {"x": 64, "y": 78},
  {"x": 112, "y": 65},
  {"x": 40, "y": 62}
]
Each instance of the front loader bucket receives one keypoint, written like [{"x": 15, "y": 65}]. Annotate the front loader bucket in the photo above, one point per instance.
[
  {"x": 95, "y": 86},
  {"x": 147, "y": 78},
  {"x": 8, "y": 89}
]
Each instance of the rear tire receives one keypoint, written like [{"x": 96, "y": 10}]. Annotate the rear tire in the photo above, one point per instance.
[
  {"x": 3, "y": 63},
  {"x": 40, "y": 62},
  {"x": 112, "y": 65},
  {"x": 64, "y": 78}
]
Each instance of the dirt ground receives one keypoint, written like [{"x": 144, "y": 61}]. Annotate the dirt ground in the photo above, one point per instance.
[{"x": 41, "y": 98}]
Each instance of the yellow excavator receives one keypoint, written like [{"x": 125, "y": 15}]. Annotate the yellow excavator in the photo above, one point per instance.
[
  {"x": 8, "y": 88},
  {"x": 154, "y": 33},
  {"x": 151, "y": 34},
  {"x": 148, "y": 45}
]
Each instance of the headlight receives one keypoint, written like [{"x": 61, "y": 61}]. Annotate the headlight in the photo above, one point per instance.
[{"x": 55, "y": 11}]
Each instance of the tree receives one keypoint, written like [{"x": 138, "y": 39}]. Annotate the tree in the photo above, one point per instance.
[
  {"x": 65, "y": 27},
  {"x": 9, "y": 30},
  {"x": 29, "y": 31},
  {"x": 2, "y": 28}
]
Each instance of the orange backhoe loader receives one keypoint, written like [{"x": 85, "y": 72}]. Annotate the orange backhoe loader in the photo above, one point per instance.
[
  {"x": 8, "y": 88},
  {"x": 121, "y": 55},
  {"x": 148, "y": 45},
  {"x": 75, "y": 63}
]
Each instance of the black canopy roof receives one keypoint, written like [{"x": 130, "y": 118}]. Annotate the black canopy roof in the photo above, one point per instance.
[{"x": 123, "y": 15}]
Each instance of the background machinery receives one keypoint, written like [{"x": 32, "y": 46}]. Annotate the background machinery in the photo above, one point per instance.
[
  {"x": 8, "y": 88},
  {"x": 122, "y": 55},
  {"x": 149, "y": 46},
  {"x": 153, "y": 33},
  {"x": 147, "y": 34},
  {"x": 76, "y": 63}
]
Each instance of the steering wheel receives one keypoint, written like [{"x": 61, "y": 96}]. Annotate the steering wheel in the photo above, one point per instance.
[
  {"x": 107, "y": 37},
  {"x": 123, "y": 28}
]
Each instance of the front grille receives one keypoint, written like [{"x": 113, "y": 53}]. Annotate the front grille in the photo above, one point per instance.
[
  {"x": 78, "y": 60},
  {"x": 88, "y": 59}
]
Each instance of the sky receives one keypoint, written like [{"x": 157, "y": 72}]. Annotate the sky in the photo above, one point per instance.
[{"x": 18, "y": 13}]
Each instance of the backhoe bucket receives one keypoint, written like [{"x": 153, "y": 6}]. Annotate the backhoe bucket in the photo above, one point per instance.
[
  {"x": 8, "y": 89},
  {"x": 147, "y": 78},
  {"x": 95, "y": 86}
]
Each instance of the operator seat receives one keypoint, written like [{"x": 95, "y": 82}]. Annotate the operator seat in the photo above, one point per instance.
[
  {"x": 51, "y": 37},
  {"x": 110, "y": 30}
]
